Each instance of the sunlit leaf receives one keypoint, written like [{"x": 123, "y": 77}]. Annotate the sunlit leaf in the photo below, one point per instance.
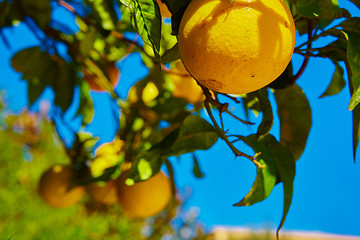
[
  {"x": 146, "y": 19},
  {"x": 337, "y": 82},
  {"x": 295, "y": 119},
  {"x": 145, "y": 165}
]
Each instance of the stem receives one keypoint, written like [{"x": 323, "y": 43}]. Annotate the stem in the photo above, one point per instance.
[
  {"x": 239, "y": 119},
  {"x": 306, "y": 59},
  {"x": 222, "y": 135}
]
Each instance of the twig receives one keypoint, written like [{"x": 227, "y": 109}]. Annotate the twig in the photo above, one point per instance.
[
  {"x": 306, "y": 59},
  {"x": 221, "y": 133},
  {"x": 239, "y": 119}
]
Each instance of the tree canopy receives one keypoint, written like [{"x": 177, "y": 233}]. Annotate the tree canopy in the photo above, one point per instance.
[{"x": 154, "y": 122}]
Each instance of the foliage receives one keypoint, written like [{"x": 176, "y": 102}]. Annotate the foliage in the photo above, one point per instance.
[
  {"x": 24, "y": 215},
  {"x": 169, "y": 126}
]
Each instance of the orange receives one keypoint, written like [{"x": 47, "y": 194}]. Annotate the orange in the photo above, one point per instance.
[
  {"x": 236, "y": 46},
  {"x": 105, "y": 193},
  {"x": 92, "y": 79},
  {"x": 185, "y": 86},
  {"x": 54, "y": 187},
  {"x": 146, "y": 198}
]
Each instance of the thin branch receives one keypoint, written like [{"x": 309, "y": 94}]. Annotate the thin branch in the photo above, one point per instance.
[
  {"x": 239, "y": 119},
  {"x": 306, "y": 59},
  {"x": 221, "y": 133}
]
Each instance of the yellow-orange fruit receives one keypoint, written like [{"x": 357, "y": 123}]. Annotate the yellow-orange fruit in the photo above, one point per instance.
[
  {"x": 236, "y": 46},
  {"x": 54, "y": 187},
  {"x": 185, "y": 86},
  {"x": 105, "y": 193},
  {"x": 144, "y": 199}
]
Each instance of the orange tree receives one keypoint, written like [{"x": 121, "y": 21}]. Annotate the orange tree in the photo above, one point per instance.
[{"x": 103, "y": 39}]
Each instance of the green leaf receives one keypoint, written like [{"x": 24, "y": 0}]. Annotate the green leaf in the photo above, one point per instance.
[
  {"x": 37, "y": 68},
  {"x": 284, "y": 80},
  {"x": 356, "y": 128},
  {"x": 171, "y": 55},
  {"x": 86, "y": 107},
  {"x": 196, "y": 170},
  {"x": 146, "y": 19},
  {"x": 350, "y": 26},
  {"x": 279, "y": 164},
  {"x": 337, "y": 82},
  {"x": 295, "y": 119},
  {"x": 63, "y": 86},
  {"x": 145, "y": 165},
  {"x": 39, "y": 11},
  {"x": 87, "y": 43},
  {"x": 195, "y": 134},
  {"x": 103, "y": 13},
  {"x": 9, "y": 14},
  {"x": 308, "y": 8},
  {"x": 267, "y": 113}
]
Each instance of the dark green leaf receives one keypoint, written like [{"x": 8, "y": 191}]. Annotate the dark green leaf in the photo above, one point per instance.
[
  {"x": 196, "y": 170},
  {"x": 267, "y": 113},
  {"x": 308, "y": 8},
  {"x": 9, "y": 14},
  {"x": 37, "y": 68},
  {"x": 146, "y": 20},
  {"x": 87, "y": 43},
  {"x": 295, "y": 119},
  {"x": 337, "y": 83},
  {"x": 265, "y": 177},
  {"x": 285, "y": 79},
  {"x": 353, "y": 55},
  {"x": 195, "y": 134},
  {"x": 279, "y": 164},
  {"x": 356, "y": 128},
  {"x": 171, "y": 55},
  {"x": 39, "y": 11},
  {"x": 63, "y": 86}
]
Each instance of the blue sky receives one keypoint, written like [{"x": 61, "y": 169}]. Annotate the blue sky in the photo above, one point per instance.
[{"x": 326, "y": 192}]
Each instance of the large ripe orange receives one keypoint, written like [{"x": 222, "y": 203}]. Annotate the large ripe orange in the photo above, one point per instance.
[
  {"x": 54, "y": 187},
  {"x": 113, "y": 74},
  {"x": 236, "y": 46},
  {"x": 144, "y": 199}
]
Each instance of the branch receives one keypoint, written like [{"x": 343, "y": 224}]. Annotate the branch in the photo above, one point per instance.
[
  {"x": 306, "y": 60},
  {"x": 221, "y": 133}
]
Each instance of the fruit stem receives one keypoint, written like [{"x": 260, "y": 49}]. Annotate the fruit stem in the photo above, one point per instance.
[
  {"x": 306, "y": 59},
  {"x": 221, "y": 133}
]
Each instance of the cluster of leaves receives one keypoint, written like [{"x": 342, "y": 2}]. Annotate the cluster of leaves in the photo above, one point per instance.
[{"x": 168, "y": 126}]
